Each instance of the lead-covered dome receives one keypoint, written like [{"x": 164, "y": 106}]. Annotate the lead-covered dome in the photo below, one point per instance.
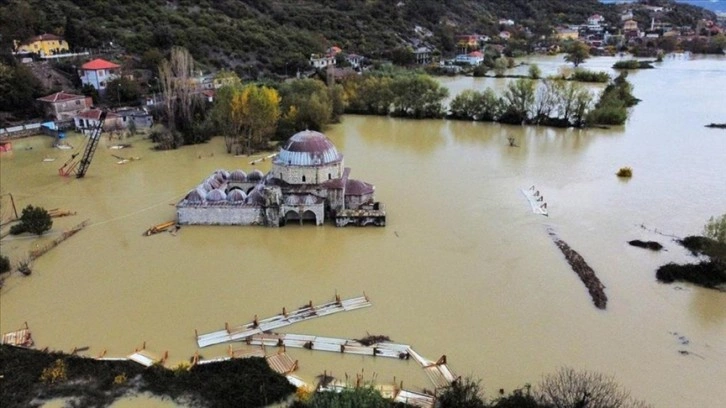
[{"x": 308, "y": 148}]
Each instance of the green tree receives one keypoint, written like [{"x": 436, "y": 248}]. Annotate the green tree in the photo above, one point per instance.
[
  {"x": 90, "y": 90},
  {"x": 122, "y": 91},
  {"x": 500, "y": 65},
  {"x": 35, "y": 220},
  {"x": 18, "y": 90},
  {"x": 364, "y": 397},
  {"x": 418, "y": 96},
  {"x": 534, "y": 71},
  {"x": 518, "y": 99},
  {"x": 305, "y": 104},
  {"x": 577, "y": 53},
  {"x": 715, "y": 229}
]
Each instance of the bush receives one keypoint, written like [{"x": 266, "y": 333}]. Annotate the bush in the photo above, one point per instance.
[
  {"x": 632, "y": 64},
  {"x": 34, "y": 219},
  {"x": 625, "y": 172},
  {"x": 4, "y": 264},
  {"x": 464, "y": 393},
  {"x": 584, "y": 75}
]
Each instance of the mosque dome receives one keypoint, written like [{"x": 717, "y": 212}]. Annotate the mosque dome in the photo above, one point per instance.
[
  {"x": 238, "y": 175},
  {"x": 216, "y": 195},
  {"x": 255, "y": 175},
  {"x": 308, "y": 148},
  {"x": 196, "y": 196},
  {"x": 255, "y": 197},
  {"x": 236, "y": 195}
]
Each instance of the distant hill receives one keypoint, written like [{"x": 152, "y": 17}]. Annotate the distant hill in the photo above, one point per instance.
[{"x": 253, "y": 36}]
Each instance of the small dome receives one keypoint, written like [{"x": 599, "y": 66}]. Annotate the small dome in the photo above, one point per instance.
[
  {"x": 216, "y": 195},
  {"x": 358, "y": 188},
  {"x": 195, "y": 196},
  {"x": 255, "y": 197},
  {"x": 214, "y": 182},
  {"x": 206, "y": 186},
  {"x": 238, "y": 175},
  {"x": 224, "y": 174},
  {"x": 308, "y": 148},
  {"x": 236, "y": 195},
  {"x": 255, "y": 175}
]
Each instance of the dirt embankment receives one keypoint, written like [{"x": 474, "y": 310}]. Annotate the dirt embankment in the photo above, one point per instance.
[{"x": 584, "y": 271}]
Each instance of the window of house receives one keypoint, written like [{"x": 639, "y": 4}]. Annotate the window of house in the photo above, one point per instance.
[
  {"x": 329, "y": 177},
  {"x": 102, "y": 84},
  {"x": 303, "y": 179},
  {"x": 78, "y": 102}
]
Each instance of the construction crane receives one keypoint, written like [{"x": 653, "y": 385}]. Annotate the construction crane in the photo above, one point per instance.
[{"x": 80, "y": 167}]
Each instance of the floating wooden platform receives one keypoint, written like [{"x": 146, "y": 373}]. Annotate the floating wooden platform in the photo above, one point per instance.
[
  {"x": 282, "y": 363},
  {"x": 159, "y": 228},
  {"x": 19, "y": 338},
  {"x": 536, "y": 200},
  {"x": 283, "y": 319},
  {"x": 437, "y": 371},
  {"x": 346, "y": 346}
]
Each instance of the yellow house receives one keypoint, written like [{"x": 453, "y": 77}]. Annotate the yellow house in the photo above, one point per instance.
[
  {"x": 44, "y": 44},
  {"x": 567, "y": 34}
]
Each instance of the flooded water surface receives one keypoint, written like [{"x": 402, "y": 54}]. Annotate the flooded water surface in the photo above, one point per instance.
[{"x": 463, "y": 268}]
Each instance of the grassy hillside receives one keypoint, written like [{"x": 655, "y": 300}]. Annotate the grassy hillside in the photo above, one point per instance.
[{"x": 276, "y": 34}]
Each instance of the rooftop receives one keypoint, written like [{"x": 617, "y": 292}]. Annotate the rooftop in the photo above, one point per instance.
[{"x": 99, "y": 64}]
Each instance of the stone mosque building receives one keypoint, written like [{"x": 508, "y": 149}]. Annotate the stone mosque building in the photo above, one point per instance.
[{"x": 307, "y": 183}]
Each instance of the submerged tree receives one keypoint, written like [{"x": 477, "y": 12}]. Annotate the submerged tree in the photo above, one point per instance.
[
  {"x": 35, "y": 220},
  {"x": 177, "y": 89},
  {"x": 577, "y": 53},
  {"x": 255, "y": 111},
  {"x": 568, "y": 388}
]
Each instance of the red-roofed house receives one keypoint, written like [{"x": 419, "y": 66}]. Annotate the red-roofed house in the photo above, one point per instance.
[
  {"x": 64, "y": 106},
  {"x": 98, "y": 73}
]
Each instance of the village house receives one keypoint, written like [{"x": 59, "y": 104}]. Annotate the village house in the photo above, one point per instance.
[
  {"x": 423, "y": 55},
  {"x": 355, "y": 60},
  {"x": 44, "y": 44},
  {"x": 505, "y": 35},
  {"x": 86, "y": 121},
  {"x": 595, "y": 20},
  {"x": 467, "y": 43},
  {"x": 319, "y": 61},
  {"x": 64, "y": 106},
  {"x": 566, "y": 33},
  {"x": 506, "y": 22},
  {"x": 140, "y": 119},
  {"x": 472, "y": 58},
  {"x": 631, "y": 29},
  {"x": 98, "y": 73}
]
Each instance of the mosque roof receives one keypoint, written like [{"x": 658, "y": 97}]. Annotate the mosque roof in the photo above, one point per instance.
[
  {"x": 308, "y": 148},
  {"x": 357, "y": 187}
]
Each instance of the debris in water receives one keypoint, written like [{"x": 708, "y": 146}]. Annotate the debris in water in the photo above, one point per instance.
[
  {"x": 583, "y": 270},
  {"x": 652, "y": 245}
]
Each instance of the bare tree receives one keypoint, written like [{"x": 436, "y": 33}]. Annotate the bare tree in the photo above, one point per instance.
[
  {"x": 568, "y": 388},
  {"x": 177, "y": 86}
]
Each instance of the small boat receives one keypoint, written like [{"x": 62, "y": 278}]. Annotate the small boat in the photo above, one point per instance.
[{"x": 536, "y": 200}]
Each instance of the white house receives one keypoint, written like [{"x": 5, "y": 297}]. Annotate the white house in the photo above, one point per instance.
[
  {"x": 98, "y": 73},
  {"x": 472, "y": 58}
]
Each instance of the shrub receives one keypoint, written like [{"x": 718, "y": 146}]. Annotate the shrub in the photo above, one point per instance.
[
  {"x": 34, "y": 219},
  {"x": 625, "y": 172},
  {"x": 464, "y": 393},
  {"x": 584, "y": 75},
  {"x": 4, "y": 264},
  {"x": 715, "y": 229},
  {"x": 56, "y": 372},
  {"x": 535, "y": 72}
]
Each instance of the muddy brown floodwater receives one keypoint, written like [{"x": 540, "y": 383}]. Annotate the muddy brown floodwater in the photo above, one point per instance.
[{"x": 463, "y": 268}]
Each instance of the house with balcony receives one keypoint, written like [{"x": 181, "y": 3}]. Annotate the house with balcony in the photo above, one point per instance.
[{"x": 98, "y": 73}]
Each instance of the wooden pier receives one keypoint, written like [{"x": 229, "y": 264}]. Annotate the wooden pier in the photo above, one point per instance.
[{"x": 283, "y": 319}]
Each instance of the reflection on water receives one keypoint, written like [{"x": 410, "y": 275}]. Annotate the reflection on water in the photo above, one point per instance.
[{"x": 463, "y": 267}]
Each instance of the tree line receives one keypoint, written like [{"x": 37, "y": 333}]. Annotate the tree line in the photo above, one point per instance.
[{"x": 251, "y": 115}]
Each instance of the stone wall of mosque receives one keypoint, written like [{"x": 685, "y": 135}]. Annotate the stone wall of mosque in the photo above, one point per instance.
[
  {"x": 307, "y": 174},
  {"x": 221, "y": 215}
]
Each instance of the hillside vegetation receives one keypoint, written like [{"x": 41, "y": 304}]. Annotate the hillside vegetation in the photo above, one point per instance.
[{"x": 277, "y": 35}]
